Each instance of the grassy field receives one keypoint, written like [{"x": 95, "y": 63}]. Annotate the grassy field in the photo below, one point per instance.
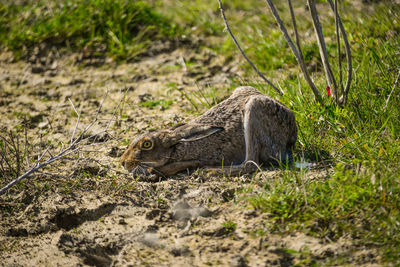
[
  {"x": 361, "y": 141},
  {"x": 124, "y": 29}
]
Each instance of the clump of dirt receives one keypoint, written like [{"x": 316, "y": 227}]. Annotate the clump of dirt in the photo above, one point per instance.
[{"x": 86, "y": 210}]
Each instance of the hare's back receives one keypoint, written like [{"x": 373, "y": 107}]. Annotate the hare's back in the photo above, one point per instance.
[{"x": 228, "y": 113}]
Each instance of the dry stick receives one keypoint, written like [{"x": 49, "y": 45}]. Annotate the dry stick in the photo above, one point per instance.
[
  {"x": 17, "y": 155},
  {"x": 297, "y": 53},
  {"x": 242, "y": 52},
  {"x": 40, "y": 146},
  {"x": 5, "y": 153},
  {"x": 322, "y": 46},
  {"x": 64, "y": 152},
  {"x": 338, "y": 49},
  {"x": 116, "y": 108},
  {"x": 39, "y": 165},
  {"x": 77, "y": 122},
  {"x": 2, "y": 169},
  {"x": 26, "y": 145},
  {"x": 348, "y": 58}
]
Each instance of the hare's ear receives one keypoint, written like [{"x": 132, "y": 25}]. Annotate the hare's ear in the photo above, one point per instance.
[
  {"x": 177, "y": 126},
  {"x": 171, "y": 136},
  {"x": 189, "y": 133}
]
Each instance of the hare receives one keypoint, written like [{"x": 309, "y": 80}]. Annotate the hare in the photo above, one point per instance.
[{"x": 246, "y": 127}]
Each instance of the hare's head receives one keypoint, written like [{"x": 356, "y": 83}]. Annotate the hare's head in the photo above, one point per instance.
[
  {"x": 153, "y": 150},
  {"x": 149, "y": 150}
]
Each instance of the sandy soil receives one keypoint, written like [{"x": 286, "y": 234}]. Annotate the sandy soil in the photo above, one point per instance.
[{"x": 87, "y": 211}]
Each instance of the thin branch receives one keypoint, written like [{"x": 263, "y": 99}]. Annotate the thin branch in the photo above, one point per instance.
[
  {"x": 37, "y": 167},
  {"x": 26, "y": 144},
  {"x": 49, "y": 152},
  {"x": 40, "y": 147},
  {"x": 322, "y": 46},
  {"x": 41, "y": 156},
  {"x": 348, "y": 58},
  {"x": 77, "y": 121},
  {"x": 338, "y": 49},
  {"x": 72, "y": 148},
  {"x": 4, "y": 157},
  {"x": 17, "y": 155},
  {"x": 116, "y": 108},
  {"x": 98, "y": 112},
  {"x": 242, "y": 52},
  {"x": 297, "y": 52},
  {"x": 15, "y": 150}
]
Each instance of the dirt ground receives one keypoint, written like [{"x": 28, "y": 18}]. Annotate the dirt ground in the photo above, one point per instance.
[{"x": 87, "y": 211}]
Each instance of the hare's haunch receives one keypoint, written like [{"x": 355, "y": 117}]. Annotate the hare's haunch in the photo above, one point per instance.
[{"x": 246, "y": 127}]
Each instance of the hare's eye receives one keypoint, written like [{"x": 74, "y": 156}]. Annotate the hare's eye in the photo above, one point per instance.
[{"x": 147, "y": 144}]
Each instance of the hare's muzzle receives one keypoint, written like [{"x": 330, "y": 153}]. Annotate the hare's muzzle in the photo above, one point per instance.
[
  {"x": 128, "y": 161},
  {"x": 129, "y": 164}
]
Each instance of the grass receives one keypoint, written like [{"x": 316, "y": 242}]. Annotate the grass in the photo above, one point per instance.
[
  {"x": 123, "y": 29},
  {"x": 202, "y": 98},
  {"x": 161, "y": 103},
  {"x": 360, "y": 144}
]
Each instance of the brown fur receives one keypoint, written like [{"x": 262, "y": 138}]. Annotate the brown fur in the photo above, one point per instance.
[{"x": 219, "y": 137}]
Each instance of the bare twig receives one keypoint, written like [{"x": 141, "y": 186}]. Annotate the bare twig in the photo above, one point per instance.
[
  {"x": 26, "y": 144},
  {"x": 343, "y": 99},
  {"x": 296, "y": 51},
  {"x": 38, "y": 166},
  {"x": 10, "y": 149},
  {"x": 64, "y": 152},
  {"x": 322, "y": 46},
  {"x": 117, "y": 107},
  {"x": 3, "y": 156},
  {"x": 77, "y": 121},
  {"x": 338, "y": 50},
  {"x": 40, "y": 148},
  {"x": 242, "y": 52}
]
